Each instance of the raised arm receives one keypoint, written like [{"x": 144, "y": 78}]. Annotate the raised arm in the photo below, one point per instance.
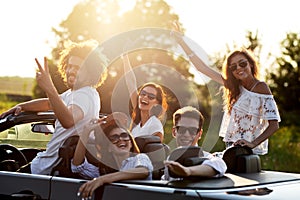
[
  {"x": 67, "y": 116},
  {"x": 196, "y": 60},
  {"x": 130, "y": 80}
]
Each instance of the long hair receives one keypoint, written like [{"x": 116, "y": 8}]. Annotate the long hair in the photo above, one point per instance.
[
  {"x": 160, "y": 97},
  {"x": 231, "y": 89}
]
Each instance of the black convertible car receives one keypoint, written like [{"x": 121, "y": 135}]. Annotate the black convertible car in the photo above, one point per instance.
[{"x": 243, "y": 180}]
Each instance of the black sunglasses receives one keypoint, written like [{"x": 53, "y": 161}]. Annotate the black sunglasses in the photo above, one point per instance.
[
  {"x": 116, "y": 138},
  {"x": 150, "y": 95},
  {"x": 242, "y": 64},
  {"x": 182, "y": 130}
]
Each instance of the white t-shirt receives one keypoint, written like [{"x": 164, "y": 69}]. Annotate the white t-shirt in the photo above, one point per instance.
[
  {"x": 87, "y": 98},
  {"x": 152, "y": 125},
  {"x": 249, "y": 118}
]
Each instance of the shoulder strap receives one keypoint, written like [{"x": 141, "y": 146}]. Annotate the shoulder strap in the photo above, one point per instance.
[{"x": 254, "y": 85}]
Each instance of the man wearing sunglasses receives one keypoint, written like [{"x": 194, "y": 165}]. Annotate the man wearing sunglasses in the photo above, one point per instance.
[{"x": 187, "y": 131}]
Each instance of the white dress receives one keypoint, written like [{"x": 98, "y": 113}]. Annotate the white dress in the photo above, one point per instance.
[
  {"x": 87, "y": 98},
  {"x": 153, "y": 125},
  {"x": 249, "y": 118}
]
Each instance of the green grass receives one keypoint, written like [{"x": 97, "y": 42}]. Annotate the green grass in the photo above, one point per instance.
[
  {"x": 284, "y": 154},
  {"x": 16, "y": 85},
  {"x": 25, "y": 143},
  {"x": 5, "y": 104}
]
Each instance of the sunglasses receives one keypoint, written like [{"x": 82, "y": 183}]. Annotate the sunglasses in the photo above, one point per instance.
[
  {"x": 116, "y": 138},
  {"x": 182, "y": 130},
  {"x": 242, "y": 64},
  {"x": 150, "y": 95}
]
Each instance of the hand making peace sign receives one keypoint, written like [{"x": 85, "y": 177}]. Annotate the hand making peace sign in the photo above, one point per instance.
[{"x": 43, "y": 77}]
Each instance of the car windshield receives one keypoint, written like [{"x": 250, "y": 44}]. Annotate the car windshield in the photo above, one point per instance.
[{"x": 21, "y": 136}]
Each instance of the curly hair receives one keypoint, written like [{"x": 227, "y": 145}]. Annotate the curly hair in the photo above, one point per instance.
[
  {"x": 231, "y": 89},
  {"x": 95, "y": 63}
]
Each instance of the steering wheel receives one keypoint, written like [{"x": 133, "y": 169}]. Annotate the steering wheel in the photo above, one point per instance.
[{"x": 11, "y": 158}]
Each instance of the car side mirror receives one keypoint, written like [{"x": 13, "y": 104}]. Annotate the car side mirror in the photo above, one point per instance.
[{"x": 42, "y": 128}]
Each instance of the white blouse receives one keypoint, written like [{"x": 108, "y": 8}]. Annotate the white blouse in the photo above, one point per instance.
[
  {"x": 249, "y": 118},
  {"x": 152, "y": 125}
]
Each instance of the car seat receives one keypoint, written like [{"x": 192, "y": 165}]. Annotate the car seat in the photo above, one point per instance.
[
  {"x": 157, "y": 152},
  {"x": 65, "y": 154},
  {"x": 67, "y": 150},
  {"x": 187, "y": 156},
  {"x": 240, "y": 159}
]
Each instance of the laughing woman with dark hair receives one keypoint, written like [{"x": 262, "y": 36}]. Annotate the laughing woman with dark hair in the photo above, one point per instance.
[
  {"x": 149, "y": 105},
  {"x": 119, "y": 152}
]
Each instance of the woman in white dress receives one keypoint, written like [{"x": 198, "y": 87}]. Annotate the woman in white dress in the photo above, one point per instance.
[{"x": 251, "y": 114}]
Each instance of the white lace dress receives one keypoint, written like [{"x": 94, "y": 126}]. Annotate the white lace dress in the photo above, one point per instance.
[{"x": 249, "y": 118}]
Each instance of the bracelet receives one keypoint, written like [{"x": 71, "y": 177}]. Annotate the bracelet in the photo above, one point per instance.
[{"x": 191, "y": 55}]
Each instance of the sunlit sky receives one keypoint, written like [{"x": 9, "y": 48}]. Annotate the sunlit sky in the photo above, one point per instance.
[{"x": 26, "y": 26}]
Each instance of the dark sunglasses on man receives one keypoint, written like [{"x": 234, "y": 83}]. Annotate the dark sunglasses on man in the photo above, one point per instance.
[{"x": 193, "y": 131}]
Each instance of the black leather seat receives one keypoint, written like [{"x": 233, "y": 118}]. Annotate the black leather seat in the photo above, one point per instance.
[
  {"x": 241, "y": 160},
  {"x": 187, "y": 156},
  {"x": 65, "y": 154},
  {"x": 157, "y": 152}
]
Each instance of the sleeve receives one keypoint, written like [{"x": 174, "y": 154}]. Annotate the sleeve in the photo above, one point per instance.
[
  {"x": 86, "y": 170},
  {"x": 82, "y": 100},
  {"x": 166, "y": 175},
  {"x": 270, "y": 110},
  {"x": 142, "y": 160},
  {"x": 216, "y": 163},
  {"x": 156, "y": 126}
]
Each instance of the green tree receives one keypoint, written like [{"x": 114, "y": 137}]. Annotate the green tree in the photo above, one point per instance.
[
  {"x": 285, "y": 78},
  {"x": 101, "y": 20}
]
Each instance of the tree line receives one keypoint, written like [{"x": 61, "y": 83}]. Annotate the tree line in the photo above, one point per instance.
[{"x": 101, "y": 20}]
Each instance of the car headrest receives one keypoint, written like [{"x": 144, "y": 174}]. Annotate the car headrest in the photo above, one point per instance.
[
  {"x": 119, "y": 118},
  {"x": 143, "y": 141},
  {"x": 181, "y": 154},
  {"x": 187, "y": 156},
  {"x": 156, "y": 110},
  {"x": 241, "y": 159}
]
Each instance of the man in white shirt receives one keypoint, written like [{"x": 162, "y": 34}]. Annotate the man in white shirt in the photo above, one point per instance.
[
  {"x": 187, "y": 131},
  {"x": 82, "y": 65}
]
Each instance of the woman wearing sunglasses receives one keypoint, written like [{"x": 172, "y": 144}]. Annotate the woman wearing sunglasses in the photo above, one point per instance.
[
  {"x": 119, "y": 156},
  {"x": 251, "y": 114},
  {"x": 149, "y": 105}
]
